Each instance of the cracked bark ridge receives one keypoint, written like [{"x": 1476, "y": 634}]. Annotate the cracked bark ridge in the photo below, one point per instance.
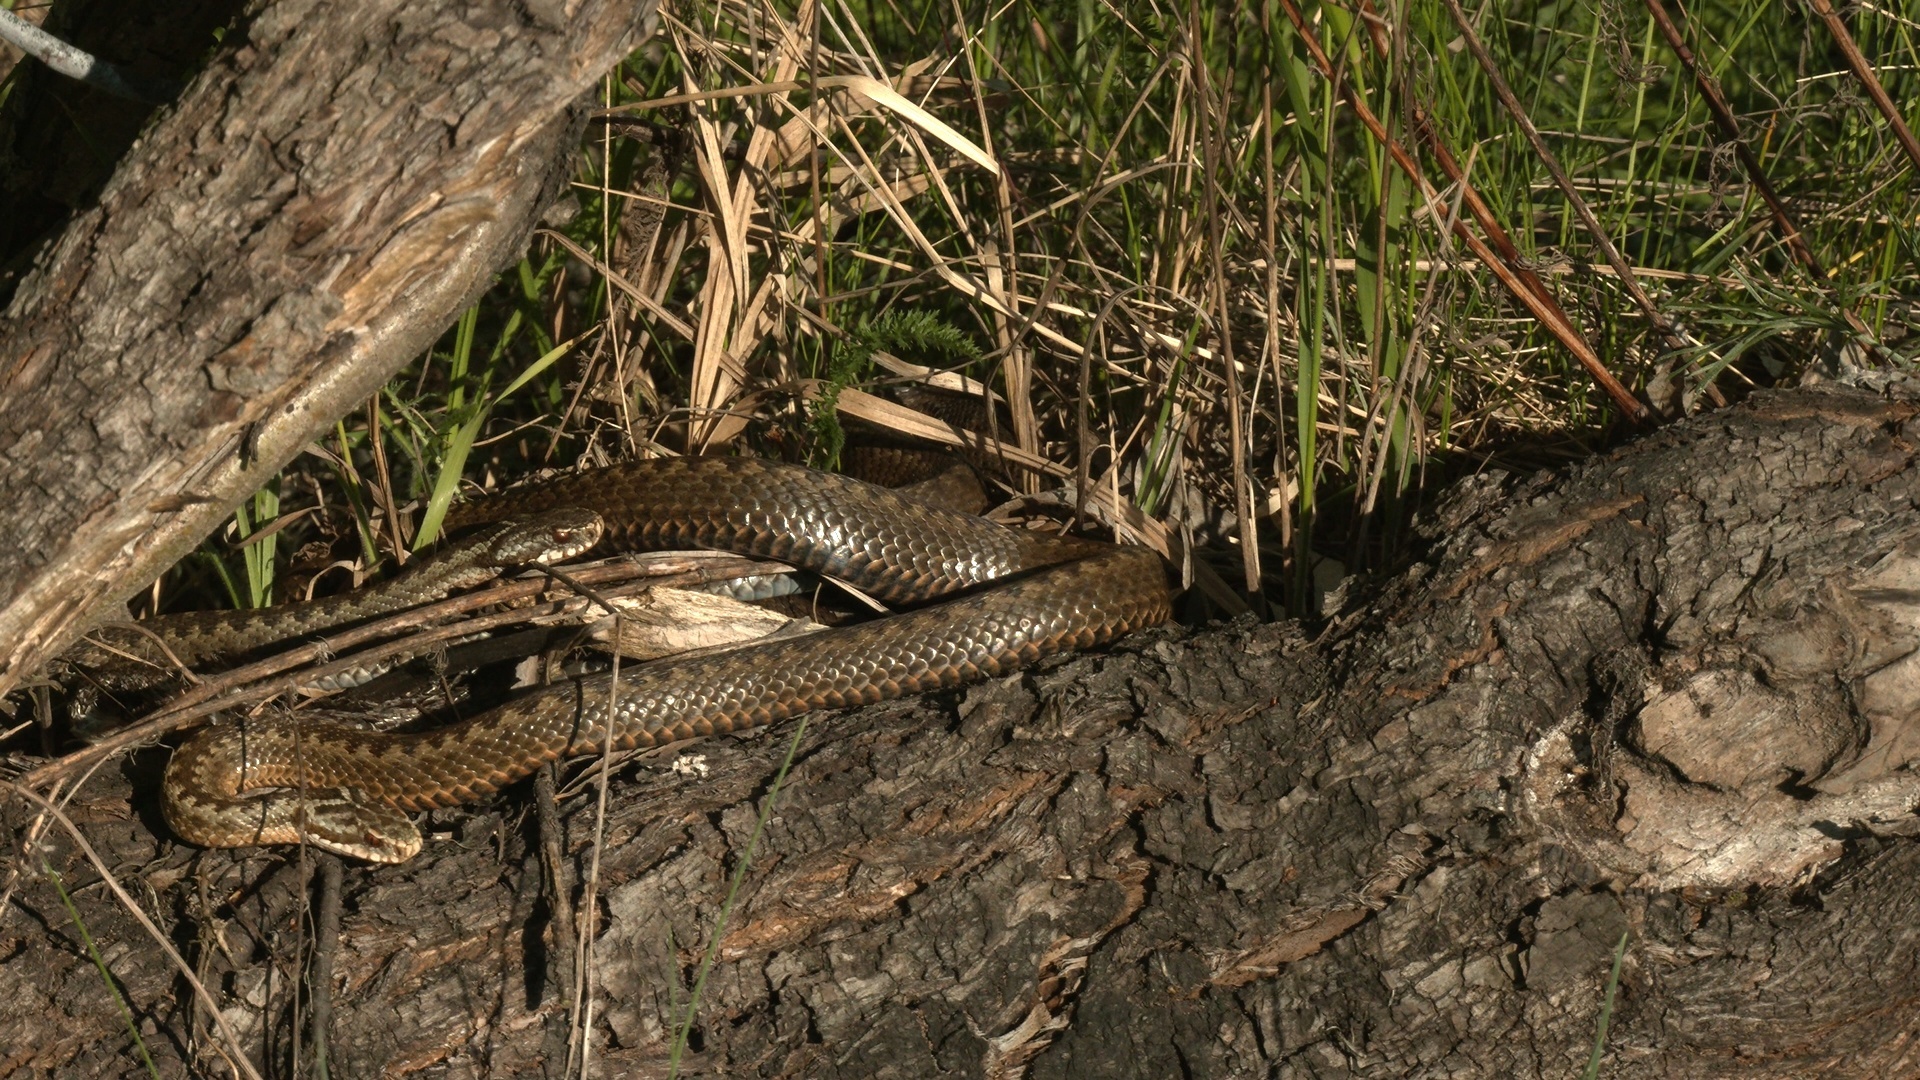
[
  {"x": 310, "y": 214},
  {"x": 1662, "y": 695}
]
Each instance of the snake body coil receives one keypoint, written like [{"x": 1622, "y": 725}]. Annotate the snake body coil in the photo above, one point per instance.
[{"x": 1063, "y": 594}]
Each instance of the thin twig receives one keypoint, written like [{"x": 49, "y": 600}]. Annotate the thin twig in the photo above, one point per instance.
[
  {"x": 237, "y": 687},
  {"x": 1730, "y": 129},
  {"x": 326, "y": 944},
  {"x": 79, "y": 64},
  {"x": 582, "y": 1004},
  {"x": 553, "y": 857},
  {"x": 1483, "y": 215}
]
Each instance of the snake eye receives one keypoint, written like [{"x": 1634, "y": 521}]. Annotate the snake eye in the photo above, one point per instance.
[
  {"x": 578, "y": 537},
  {"x": 550, "y": 537}
]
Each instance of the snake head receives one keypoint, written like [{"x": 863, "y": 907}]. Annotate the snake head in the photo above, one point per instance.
[
  {"x": 343, "y": 821},
  {"x": 214, "y": 796},
  {"x": 547, "y": 538}
]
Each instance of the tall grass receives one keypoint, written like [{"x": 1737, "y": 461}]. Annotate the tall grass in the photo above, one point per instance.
[{"x": 1278, "y": 344}]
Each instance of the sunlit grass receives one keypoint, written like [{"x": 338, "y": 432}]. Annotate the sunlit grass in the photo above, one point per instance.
[{"x": 1171, "y": 180}]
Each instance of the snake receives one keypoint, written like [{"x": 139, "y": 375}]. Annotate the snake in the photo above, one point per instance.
[
  {"x": 981, "y": 600},
  {"x": 150, "y": 653}
]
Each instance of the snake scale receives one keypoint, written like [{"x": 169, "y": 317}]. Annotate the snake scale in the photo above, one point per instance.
[
  {"x": 149, "y": 654},
  {"x": 349, "y": 790}
]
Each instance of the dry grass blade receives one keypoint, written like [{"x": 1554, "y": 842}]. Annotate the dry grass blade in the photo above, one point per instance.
[
  {"x": 1596, "y": 233},
  {"x": 879, "y": 92},
  {"x": 1870, "y": 82},
  {"x": 639, "y": 296},
  {"x": 1756, "y": 173},
  {"x": 1510, "y": 276},
  {"x": 859, "y": 405},
  {"x": 1205, "y": 106}
]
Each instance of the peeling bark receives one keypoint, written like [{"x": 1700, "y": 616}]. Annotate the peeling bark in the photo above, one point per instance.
[
  {"x": 1666, "y": 695},
  {"x": 308, "y": 216}
]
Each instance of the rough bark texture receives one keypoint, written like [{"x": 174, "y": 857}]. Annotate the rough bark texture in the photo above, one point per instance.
[
  {"x": 1669, "y": 695},
  {"x": 306, "y": 218}
]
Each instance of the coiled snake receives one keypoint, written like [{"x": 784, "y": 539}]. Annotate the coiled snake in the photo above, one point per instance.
[{"x": 348, "y": 790}]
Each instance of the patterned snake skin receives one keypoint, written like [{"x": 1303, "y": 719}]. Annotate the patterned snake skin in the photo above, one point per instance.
[
  {"x": 131, "y": 657},
  {"x": 1065, "y": 594}
]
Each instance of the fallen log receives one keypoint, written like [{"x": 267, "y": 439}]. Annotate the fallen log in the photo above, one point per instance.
[{"x": 1666, "y": 698}]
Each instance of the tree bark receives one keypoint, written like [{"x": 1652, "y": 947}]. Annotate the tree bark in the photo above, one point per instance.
[
  {"x": 307, "y": 217},
  {"x": 1667, "y": 696}
]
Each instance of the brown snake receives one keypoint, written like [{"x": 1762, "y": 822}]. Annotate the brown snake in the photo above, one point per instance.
[
  {"x": 138, "y": 656},
  {"x": 1066, "y": 593}
]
